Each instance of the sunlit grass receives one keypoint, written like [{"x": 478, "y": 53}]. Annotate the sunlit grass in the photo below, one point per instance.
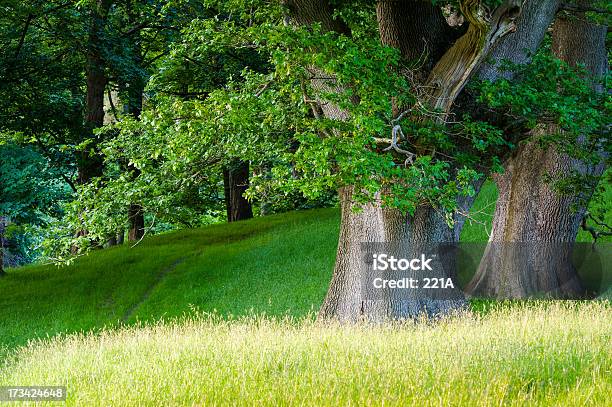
[
  {"x": 552, "y": 354},
  {"x": 514, "y": 354}
]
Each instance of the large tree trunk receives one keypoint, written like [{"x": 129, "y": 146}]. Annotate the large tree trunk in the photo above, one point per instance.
[
  {"x": 529, "y": 251},
  {"x": 534, "y": 228},
  {"x": 235, "y": 183},
  {"x": 370, "y": 229},
  {"x": 421, "y": 34},
  {"x": 419, "y": 31}
]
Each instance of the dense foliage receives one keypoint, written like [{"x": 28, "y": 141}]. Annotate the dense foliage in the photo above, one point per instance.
[{"x": 194, "y": 86}]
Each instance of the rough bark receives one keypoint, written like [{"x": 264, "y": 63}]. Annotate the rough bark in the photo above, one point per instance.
[
  {"x": 419, "y": 31},
  {"x": 306, "y": 12},
  {"x": 525, "y": 38},
  {"x": 235, "y": 183},
  {"x": 531, "y": 26},
  {"x": 347, "y": 299},
  {"x": 534, "y": 228},
  {"x": 528, "y": 251},
  {"x": 577, "y": 40}
]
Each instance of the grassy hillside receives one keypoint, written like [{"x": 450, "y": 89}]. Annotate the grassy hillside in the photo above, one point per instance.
[{"x": 274, "y": 265}]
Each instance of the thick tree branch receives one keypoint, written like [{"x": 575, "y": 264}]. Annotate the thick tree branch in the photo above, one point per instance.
[
  {"x": 531, "y": 26},
  {"x": 23, "y": 34},
  {"x": 454, "y": 69}
]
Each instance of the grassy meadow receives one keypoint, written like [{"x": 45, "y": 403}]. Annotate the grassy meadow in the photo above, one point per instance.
[
  {"x": 536, "y": 354},
  {"x": 224, "y": 315}
]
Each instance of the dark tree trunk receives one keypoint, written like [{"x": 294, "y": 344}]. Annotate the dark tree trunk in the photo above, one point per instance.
[
  {"x": 90, "y": 163},
  {"x": 137, "y": 227},
  {"x": 534, "y": 228},
  {"x": 235, "y": 183},
  {"x": 135, "y": 92},
  {"x": 135, "y": 211},
  {"x": 136, "y": 220}
]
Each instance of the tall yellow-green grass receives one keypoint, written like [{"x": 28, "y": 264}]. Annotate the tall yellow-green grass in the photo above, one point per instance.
[{"x": 538, "y": 354}]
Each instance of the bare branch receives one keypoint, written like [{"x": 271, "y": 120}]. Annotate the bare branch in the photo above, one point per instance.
[
  {"x": 146, "y": 231},
  {"x": 595, "y": 233},
  {"x": 396, "y": 132}
]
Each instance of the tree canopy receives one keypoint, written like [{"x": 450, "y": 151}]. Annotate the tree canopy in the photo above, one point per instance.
[{"x": 117, "y": 110}]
